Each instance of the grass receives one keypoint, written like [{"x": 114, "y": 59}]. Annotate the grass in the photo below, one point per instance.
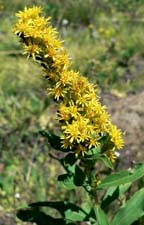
[
  {"x": 108, "y": 31},
  {"x": 25, "y": 157},
  {"x": 105, "y": 66}
]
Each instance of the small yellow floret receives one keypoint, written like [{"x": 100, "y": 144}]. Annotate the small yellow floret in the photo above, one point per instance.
[{"x": 115, "y": 136}]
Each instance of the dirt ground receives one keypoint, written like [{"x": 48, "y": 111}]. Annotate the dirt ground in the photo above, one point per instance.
[{"x": 128, "y": 113}]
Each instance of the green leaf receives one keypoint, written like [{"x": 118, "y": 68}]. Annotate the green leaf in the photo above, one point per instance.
[
  {"x": 106, "y": 161},
  {"x": 69, "y": 211},
  {"x": 70, "y": 169},
  {"x": 113, "y": 193},
  {"x": 104, "y": 139},
  {"x": 123, "y": 177},
  {"x": 70, "y": 159},
  {"x": 1, "y": 182},
  {"x": 38, "y": 217},
  {"x": 107, "y": 145},
  {"x": 132, "y": 211},
  {"x": 74, "y": 177},
  {"x": 67, "y": 181},
  {"x": 93, "y": 151},
  {"x": 75, "y": 216},
  {"x": 110, "y": 192},
  {"x": 87, "y": 207},
  {"x": 69, "y": 162},
  {"x": 96, "y": 155},
  {"x": 123, "y": 188},
  {"x": 79, "y": 176},
  {"x": 53, "y": 139},
  {"x": 101, "y": 216}
]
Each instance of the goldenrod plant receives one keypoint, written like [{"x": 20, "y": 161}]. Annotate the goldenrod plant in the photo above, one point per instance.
[{"x": 86, "y": 134}]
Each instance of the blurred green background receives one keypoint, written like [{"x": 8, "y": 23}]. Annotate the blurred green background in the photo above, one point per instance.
[{"x": 105, "y": 39}]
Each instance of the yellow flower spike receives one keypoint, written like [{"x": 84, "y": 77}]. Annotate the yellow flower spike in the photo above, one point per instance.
[{"x": 83, "y": 120}]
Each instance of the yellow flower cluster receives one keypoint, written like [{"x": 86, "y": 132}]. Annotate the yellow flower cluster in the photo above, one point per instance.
[{"x": 84, "y": 121}]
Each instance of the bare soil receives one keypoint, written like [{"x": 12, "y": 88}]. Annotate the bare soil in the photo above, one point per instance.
[{"x": 128, "y": 114}]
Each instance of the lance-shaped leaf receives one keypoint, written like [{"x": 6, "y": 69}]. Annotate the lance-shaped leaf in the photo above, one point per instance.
[
  {"x": 69, "y": 211},
  {"x": 74, "y": 177},
  {"x": 93, "y": 152},
  {"x": 132, "y": 211},
  {"x": 54, "y": 140},
  {"x": 68, "y": 162},
  {"x": 106, "y": 161},
  {"x": 113, "y": 193},
  {"x": 75, "y": 216},
  {"x": 67, "y": 181},
  {"x": 101, "y": 216},
  {"x": 79, "y": 176},
  {"x": 123, "y": 177}
]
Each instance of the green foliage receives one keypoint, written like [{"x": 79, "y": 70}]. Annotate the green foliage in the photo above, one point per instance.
[
  {"x": 132, "y": 211},
  {"x": 126, "y": 5},
  {"x": 69, "y": 212},
  {"x": 123, "y": 177},
  {"x": 74, "y": 177},
  {"x": 113, "y": 193},
  {"x": 101, "y": 217}
]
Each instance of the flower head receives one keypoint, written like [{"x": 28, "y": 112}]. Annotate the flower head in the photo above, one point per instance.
[{"x": 83, "y": 120}]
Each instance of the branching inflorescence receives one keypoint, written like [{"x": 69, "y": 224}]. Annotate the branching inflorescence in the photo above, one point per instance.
[{"x": 83, "y": 120}]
